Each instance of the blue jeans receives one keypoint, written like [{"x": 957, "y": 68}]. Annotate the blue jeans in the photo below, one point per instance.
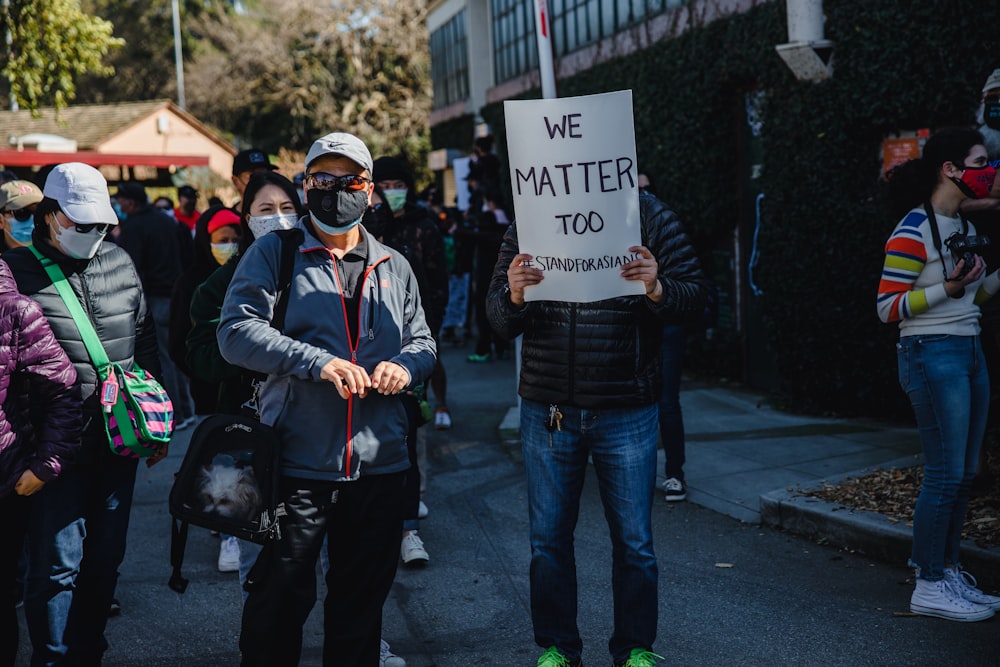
[
  {"x": 622, "y": 443},
  {"x": 946, "y": 380},
  {"x": 71, "y": 580},
  {"x": 671, "y": 419}
]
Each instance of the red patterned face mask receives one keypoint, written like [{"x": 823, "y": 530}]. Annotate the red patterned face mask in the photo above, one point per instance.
[{"x": 980, "y": 180}]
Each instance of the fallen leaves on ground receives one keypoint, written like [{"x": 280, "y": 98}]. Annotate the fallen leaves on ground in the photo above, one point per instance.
[{"x": 893, "y": 493}]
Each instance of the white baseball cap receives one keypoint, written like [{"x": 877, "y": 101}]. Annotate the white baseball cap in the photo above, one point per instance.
[{"x": 82, "y": 193}]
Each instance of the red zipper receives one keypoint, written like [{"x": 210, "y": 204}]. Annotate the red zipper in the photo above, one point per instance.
[{"x": 352, "y": 345}]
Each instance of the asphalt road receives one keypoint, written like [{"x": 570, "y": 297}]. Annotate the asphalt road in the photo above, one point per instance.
[{"x": 730, "y": 593}]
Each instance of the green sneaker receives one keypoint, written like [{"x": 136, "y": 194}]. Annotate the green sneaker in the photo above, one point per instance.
[
  {"x": 554, "y": 658},
  {"x": 478, "y": 358},
  {"x": 640, "y": 657}
]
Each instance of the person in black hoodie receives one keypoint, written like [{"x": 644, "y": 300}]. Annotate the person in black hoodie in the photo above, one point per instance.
[
  {"x": 410, "y": 229},
  {"x": 71, "y": 581}
]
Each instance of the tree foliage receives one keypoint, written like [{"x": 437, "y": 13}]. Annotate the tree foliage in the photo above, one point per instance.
[
  {"x": 53, "y": 43},
  {"x": 291, "y": 70}
]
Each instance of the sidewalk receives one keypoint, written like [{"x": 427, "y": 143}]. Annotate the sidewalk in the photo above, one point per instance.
[{"x": 752, "y": 462}]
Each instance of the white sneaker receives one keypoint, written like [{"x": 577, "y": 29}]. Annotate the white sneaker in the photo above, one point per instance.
[
  {"x": 674, "y": 490},
  {"x": 412, "y": 550},
  {"x": 422, "y": 510},
  {"x": 387, "y": 658},
  {"x": 442, "y": 419},
  {"x": 938, "y": 598},
  {"x": 229, "y": 554},
  {"x": 964, "y": 584}
]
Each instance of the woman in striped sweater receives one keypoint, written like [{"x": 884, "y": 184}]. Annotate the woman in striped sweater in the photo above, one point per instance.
[{"x": 932, "y": 287}]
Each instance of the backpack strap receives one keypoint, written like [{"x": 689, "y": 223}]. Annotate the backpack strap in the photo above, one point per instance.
[
  {"x": 178, "y": 542},
  {"x": 291, "y": 239}
]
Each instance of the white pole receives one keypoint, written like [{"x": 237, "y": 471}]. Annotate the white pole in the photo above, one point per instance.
[
  {"x": 9, "y": 40},
  {"x": 543, "y": 32},
  {"x": 178, "y": 61}
]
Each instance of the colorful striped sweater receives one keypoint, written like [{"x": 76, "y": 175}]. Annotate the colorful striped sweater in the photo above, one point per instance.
[{"x": 911, "y": 290}]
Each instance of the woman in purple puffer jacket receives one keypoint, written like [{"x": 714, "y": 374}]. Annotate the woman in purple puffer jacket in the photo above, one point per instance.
[{"x": 40, "y": 423}]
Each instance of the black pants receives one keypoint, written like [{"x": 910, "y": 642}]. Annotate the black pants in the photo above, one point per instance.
[
  {"x": 14, "y": 510},
  {"x": 364, "y": 522}
]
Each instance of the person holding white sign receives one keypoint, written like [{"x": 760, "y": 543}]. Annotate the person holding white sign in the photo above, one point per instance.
[{"x": 589, "y": 383}]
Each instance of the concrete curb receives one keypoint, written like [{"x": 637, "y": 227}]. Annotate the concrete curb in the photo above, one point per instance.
[{"x": 869, "y": 533}]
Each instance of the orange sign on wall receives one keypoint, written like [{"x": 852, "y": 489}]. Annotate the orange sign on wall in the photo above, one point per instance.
[{"x": 898, "y": 151}]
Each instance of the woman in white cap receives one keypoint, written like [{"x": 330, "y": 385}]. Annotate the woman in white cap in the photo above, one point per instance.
[{"x": 71, "y": 581}]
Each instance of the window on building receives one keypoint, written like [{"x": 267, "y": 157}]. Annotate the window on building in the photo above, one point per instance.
[
  {"x": 515, "y": 50},
  {"x": 450, "y": 62},
  {"x": 575, "y": 24}
]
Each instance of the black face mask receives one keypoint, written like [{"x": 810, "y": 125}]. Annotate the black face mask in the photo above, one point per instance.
[
  {"x": 337, "y": 208},
  {"x": 377, "y": 220},
  {"x": 991, "y": 115}
]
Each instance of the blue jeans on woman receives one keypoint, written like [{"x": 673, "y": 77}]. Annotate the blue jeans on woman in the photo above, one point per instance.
[
  {"x": 622, "y": 443},
  {"x": 71, "y": 580},
  {"x": 947, "y": 382}
]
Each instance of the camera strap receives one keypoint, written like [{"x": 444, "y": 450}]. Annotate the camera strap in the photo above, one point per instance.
[{"x": 936, "y": 235}]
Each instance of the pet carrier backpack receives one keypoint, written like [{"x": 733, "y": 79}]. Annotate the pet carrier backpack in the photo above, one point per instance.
[{"x": 228, "y": 480}]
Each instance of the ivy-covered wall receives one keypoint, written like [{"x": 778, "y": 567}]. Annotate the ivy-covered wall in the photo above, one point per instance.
[{"x": 897, "y": 66}]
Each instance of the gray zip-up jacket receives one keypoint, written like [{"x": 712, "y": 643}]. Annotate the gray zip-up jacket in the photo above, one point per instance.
[{"x": 322, "y": 435}]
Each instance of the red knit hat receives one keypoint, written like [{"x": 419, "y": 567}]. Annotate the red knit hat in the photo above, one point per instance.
[{"x": 221, "y": 219}]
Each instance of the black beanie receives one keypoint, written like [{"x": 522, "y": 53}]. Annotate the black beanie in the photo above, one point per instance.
[{"x": 393, "y": 169}]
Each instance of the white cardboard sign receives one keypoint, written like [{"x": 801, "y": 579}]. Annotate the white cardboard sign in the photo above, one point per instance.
[{"x": 573, "y": 173}]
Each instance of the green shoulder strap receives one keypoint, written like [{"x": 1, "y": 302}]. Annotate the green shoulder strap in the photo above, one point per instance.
[{"x": 83, "y": 323}]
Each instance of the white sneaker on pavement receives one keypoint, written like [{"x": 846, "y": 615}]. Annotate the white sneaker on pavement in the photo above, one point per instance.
[
  {"x": 442, "y": 419},
  {"x": 940, "y": 599},
  {"x": 387, "y": 658},
  {"x": 674, "y": 490},
  {"x": 412, "y": 550},
  {"x": 964, "y": 584},
  {"x": 229, "y": 554}
]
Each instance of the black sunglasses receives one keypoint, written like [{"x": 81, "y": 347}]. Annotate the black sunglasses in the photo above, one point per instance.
[
  {"x": 99, "y": 226},
  {"x": 21, "y": 214},
  {"x": 324, "y": 181}
]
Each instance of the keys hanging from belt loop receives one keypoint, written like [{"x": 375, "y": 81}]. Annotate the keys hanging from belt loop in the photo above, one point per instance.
[{"x": 554, "y": 422}]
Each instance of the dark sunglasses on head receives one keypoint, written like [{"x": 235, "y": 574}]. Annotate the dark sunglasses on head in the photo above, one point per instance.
[
  {"x": 324, "y": 181},
  {"x": 21, "y": 214},
  {"x": 99, "y": 226}
]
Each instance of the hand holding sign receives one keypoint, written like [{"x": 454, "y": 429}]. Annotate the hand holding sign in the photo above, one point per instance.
[
  {"x": 646, "y": 270},
  {"x": 572, "y": 167},
  {"x": 521, "y": 274}
]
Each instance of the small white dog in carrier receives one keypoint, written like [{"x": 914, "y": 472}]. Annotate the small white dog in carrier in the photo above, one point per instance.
[{"x": 229, "y": 491}]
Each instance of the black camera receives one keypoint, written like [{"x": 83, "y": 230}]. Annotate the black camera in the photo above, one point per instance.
[{"x": 965, "y": 248}]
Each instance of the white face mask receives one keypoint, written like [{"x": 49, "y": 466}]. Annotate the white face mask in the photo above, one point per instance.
[
  {"x": 75, "y": 244},
  {"x": 223, "y": 252},
  {"x": 264, "y": 224}
]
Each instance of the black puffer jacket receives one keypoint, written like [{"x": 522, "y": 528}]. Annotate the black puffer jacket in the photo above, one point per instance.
[
  {"x": 109, "y": 290},
  {"x": 603, "y": 354}
]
